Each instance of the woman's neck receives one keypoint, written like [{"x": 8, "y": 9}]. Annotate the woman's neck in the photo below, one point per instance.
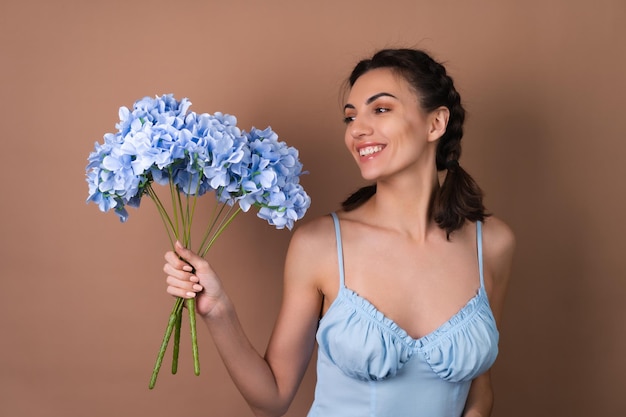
[{"x": 405, "y": 204}]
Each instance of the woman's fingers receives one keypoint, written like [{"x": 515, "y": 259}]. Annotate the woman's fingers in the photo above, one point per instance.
[
  {"x": 176, "y": 270},
  {"x": 180, "y": 292},
  {"x": 189, "y": 285},
  {"x": 185, "y": 270},
  {"x": 182, "y": 288},
  {"x": 176, "y": 262},
  {"x": 181, "y": 282},
  {"x": 191, "y": 258}
]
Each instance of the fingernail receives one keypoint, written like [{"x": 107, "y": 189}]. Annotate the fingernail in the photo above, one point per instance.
[
  {"x": 187, "y": 268},
  {"x": 197, "y": 287},
  {"x": 191, "y": 294}
]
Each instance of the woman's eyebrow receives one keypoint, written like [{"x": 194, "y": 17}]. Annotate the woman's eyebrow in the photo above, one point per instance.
[
  {"x": 375, "y": 96},
  {"x": 371, "y": 99}
]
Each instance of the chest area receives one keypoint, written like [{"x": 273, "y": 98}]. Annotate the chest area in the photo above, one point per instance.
[
  {"x": 418, "y": 287},
  {"x": 365, "y": 344}
]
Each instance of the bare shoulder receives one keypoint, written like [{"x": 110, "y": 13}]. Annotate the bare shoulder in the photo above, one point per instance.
[
  {"x": 498, "y": 238},
  {"x": 314, "y": 234},
  {"x": 498, "y": 249},
  {"x": 311, "y": 250}
]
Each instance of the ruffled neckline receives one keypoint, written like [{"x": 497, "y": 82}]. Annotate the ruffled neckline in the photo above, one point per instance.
[{"x": 369, "y": 310}]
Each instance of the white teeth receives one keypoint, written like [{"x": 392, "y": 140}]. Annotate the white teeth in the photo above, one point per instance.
[{"x": 370, "y": 150}]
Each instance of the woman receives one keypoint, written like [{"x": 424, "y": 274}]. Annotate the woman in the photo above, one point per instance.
[{"x": 407, "y": 279}]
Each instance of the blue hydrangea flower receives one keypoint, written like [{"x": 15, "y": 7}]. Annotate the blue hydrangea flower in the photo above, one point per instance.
[
  {"x": 112, "y": 183},
  {"x": 160, "y": 141},
  {"x": 272, "y": 183},
  {"x": 146, "y": 142}
]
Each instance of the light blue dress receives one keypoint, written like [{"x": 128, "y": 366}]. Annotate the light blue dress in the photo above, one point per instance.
[{"x": 370, "y": 367}]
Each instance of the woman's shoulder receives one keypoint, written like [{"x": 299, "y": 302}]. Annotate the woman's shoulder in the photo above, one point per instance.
[
  {"x": 311, "y": 250},
  {"x": 498, "y": 247},
  {"x": 498, "y": 237},
  {"x": 316, "y": 231},
  {"x": 313, "y": 238}
]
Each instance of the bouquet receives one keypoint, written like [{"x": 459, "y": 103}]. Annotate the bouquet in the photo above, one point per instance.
[{"x": 161, "y": 142}]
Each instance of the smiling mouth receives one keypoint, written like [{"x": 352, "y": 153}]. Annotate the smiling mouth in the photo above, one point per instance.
[{"x": 370, "y": 150}]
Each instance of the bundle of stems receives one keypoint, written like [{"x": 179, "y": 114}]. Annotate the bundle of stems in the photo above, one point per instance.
[{"x": 178, "y": 225}]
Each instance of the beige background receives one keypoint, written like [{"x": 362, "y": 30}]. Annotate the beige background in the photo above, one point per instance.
[{"x": 82, "y": 301}]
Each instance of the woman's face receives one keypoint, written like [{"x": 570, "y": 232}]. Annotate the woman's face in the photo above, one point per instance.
[{"x": 386, "y": 130}]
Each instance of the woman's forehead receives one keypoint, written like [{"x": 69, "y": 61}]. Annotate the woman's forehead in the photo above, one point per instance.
[{"x": 379, "y": 82}]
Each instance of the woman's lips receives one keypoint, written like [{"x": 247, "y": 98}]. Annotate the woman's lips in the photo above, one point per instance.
[{"x": 369, "y": 150}]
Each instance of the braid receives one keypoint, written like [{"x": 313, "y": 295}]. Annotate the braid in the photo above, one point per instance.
[
  {"x": 459, "y": 198},
  {"x": 449, "y": 146}
]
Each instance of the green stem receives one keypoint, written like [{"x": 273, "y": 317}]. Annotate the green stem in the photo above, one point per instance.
[
  {"x": 219, "y": 231},
  {"x": 166, "y": 338},
  {"x": 167, "y": 221},
  {"x": 183, "y": 220},
  {"x": 177, "y": 326},
  {"x": 191, "y": 306},
  {"x": 173, "y": 193},
  {"x": 179, "y": 225},
  {"x": 190, "y": 211},
  {"x": 215, "y": 216}
]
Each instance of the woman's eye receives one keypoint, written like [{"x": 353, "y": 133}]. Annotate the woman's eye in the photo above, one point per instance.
[
  {"x": 381, "y": 110},
  {"x": 348, "y": 119}
]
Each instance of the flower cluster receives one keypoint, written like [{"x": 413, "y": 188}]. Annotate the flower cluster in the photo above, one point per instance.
[
  {"x": 272, "y": 180},
  {"x": 160, "y": 141}
]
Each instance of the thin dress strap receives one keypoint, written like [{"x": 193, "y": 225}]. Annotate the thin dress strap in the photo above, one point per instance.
[
  {"x": 479, "y": 244},
  {"x": 339, "y": 249}
]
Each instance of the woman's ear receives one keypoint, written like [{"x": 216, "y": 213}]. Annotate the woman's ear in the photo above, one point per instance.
[{"x": 438, "y": 122}]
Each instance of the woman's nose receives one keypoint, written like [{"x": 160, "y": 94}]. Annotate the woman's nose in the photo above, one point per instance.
[{"x": 360, "y": 128}]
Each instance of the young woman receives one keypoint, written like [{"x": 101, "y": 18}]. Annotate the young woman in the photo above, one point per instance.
[{"x": 402, "y": 288}]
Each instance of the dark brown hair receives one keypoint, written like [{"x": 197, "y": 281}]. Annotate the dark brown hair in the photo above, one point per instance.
[{"x": 459, "y": 198}]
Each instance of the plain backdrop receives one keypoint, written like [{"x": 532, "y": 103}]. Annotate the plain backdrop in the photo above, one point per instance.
[{"x": 83, "y": 303}]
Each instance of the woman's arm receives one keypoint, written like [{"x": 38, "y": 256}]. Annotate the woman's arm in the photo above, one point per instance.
[
  {"x": 480, "y": 399},
  {"x": 498, "y": 248},
  {"x": 267, "y": 383}
]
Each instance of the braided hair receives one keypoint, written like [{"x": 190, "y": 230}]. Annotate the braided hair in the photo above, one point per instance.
[{"x": 459, "y": 198}]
